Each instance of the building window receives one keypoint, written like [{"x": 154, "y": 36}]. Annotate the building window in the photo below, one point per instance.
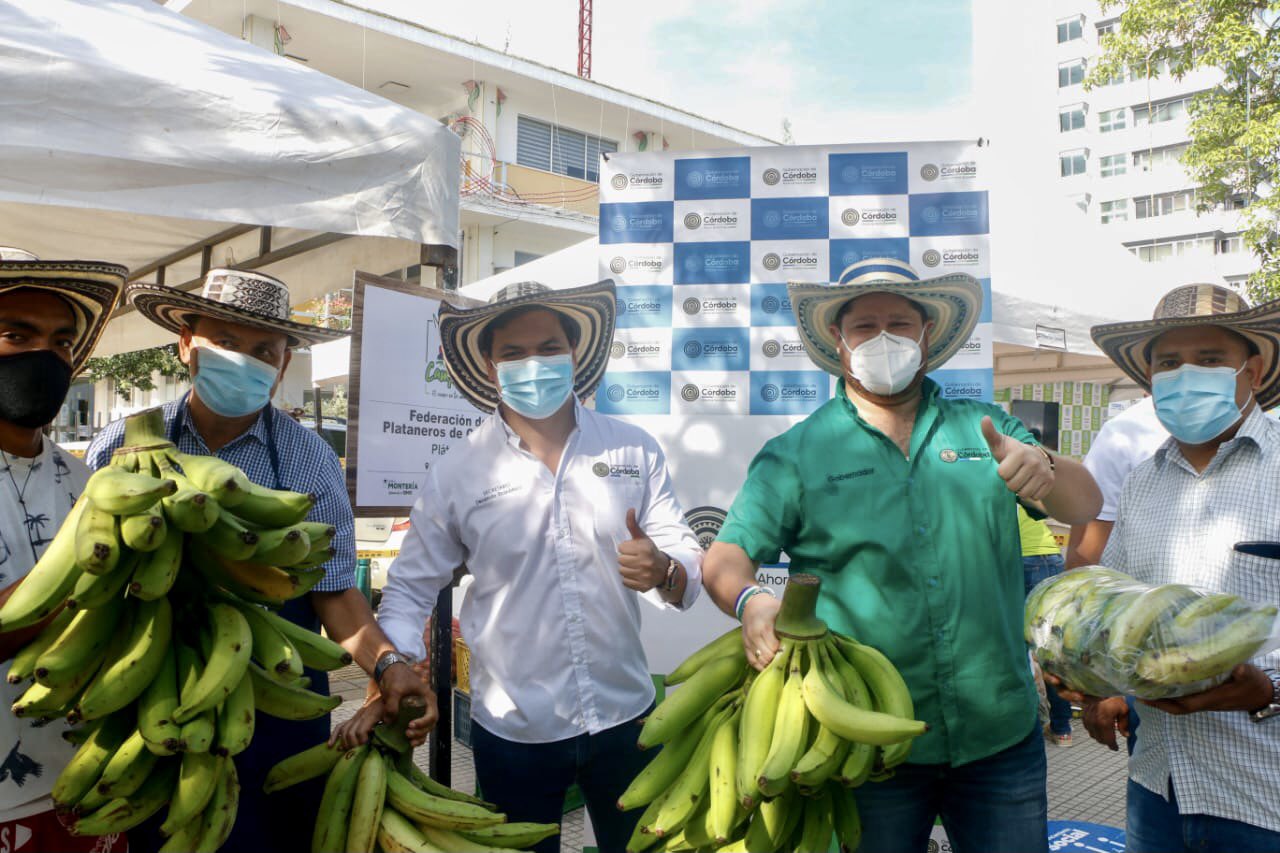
[
  {"x": 1070, "y": 30},
  {"x": 1114, "y": 211},
  {"x": 1164, "y": 204},
  {"x": 1157, "y": 113},
  {"x": 525, "y": 257},
  {"x": 1230, "y": 244},
  {"x": 1115, "y": 164},
  {"x": 1070, "y": 73},
  {"x": 1108, "y": 28},
  {"x": 1073, "y": 163},
  {"x": 1109, "y": 120},
  {"x": 1181, "y": 247},
  {"x": 1071, "y": 118},
  {"x": 1158, "y": 159},
  {"x": 542, "y": 145}
]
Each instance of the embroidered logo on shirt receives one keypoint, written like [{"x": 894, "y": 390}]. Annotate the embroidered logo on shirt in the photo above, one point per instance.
[
  {"x": 965, "y": 454},
  {"x": 849, "y": 475},
  {"x": 495, "y": 492},
  {"x": 604, "y": 469},
  {"x": 600, "y": 469}
]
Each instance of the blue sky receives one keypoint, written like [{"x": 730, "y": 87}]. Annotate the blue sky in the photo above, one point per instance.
[{"x": 839, "y": 71}]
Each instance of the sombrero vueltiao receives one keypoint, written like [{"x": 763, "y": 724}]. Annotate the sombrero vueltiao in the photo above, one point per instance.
[
  {"x": 592, "y": 308},
  {"x": 91, "y": 288},
  {"x": 952, "y": 301},
  {"x": 246, "y": 297},
  {"x": 1127, "y": 344}
]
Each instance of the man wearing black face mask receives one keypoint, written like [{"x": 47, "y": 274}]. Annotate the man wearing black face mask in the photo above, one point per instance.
[{"x": 51, "y": 314}]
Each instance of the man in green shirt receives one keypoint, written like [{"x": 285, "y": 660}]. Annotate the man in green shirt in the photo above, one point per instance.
[{"x": 903, "y": 503}]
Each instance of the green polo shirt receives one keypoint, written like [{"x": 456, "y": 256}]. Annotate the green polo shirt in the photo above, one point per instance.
[{"x": 918, "y": 557}]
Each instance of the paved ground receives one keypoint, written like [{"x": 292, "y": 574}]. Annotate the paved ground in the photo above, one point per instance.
[{"x": 1086, "y": 781}]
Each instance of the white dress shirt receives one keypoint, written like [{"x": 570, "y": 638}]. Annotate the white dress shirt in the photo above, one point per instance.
[
  {"x": 1179, "y": 526},
  {"x": 554, "y": 634},
  {"x": 1123, "y": 443}
]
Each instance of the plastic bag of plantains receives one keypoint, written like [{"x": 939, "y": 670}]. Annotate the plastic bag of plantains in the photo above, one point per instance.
[{"x": 1105, "y": 634}]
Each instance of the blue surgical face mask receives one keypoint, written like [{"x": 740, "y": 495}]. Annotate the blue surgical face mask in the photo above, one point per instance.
[
  {"x": 536, "y": 387},
  {"x": 1196, "y": 404},
  {"x": 232, "y": 384}
]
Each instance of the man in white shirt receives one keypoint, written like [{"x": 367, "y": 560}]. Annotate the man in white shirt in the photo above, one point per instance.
[
  {"x": 1204, "y": 775},
  {"x": 51, "y": 314},
  {"x": 566, "y": 518},
  {"x": 1124, "y": 442}
]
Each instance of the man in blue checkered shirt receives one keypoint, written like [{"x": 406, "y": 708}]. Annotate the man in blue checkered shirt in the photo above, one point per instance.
[
  {"x": 1204, "y": 511},
  {"x": 236, "y": 338}
]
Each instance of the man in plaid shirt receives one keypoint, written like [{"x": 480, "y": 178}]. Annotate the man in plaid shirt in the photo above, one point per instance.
[{"x": 1205, "y": 774}]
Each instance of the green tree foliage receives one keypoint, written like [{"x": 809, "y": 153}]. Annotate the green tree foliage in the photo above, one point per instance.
[
  {"x": 1235, "y": 127},
  {"x": 133, "y": 371}
]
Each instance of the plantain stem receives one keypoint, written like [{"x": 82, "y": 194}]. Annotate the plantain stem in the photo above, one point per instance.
[
  {"x": 145, "y": 430},
  {"x": 798, "y": 617}
]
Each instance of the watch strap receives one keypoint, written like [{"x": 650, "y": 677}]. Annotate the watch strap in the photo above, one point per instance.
[
  {"x": 384, "y": 661},
  {"x": 669, "y": 582},
  {"x": 1271, "y": 709}
]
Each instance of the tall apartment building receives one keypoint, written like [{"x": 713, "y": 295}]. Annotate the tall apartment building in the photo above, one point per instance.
[{"x": 1118, "y": 149}]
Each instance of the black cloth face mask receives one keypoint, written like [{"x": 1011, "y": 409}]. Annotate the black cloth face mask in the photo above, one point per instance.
[{"x": 33, "y": 386}]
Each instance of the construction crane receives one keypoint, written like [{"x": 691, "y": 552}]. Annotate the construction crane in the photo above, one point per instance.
[{"x": 584, "y": 39}]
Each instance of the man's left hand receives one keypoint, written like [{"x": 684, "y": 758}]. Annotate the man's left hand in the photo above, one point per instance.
[
  {"x": 1247, "y": 689},
  {"x": 640, "y": 563},
  {"x": 1024, "y": 469},
  {"x": 399, "y": 681}
]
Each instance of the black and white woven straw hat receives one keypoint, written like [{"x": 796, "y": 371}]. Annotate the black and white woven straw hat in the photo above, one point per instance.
[
  {"x": 246, "y": 297},
  {"x": 1129, "y": 344},
  {"x": 592, "y": 308},
  {"x": 952, "y": 301},
  {"x": 91, "y": 288}
]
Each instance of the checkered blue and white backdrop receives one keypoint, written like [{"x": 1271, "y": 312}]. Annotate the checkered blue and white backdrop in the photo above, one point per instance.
[{"x": 702, "y": 245}]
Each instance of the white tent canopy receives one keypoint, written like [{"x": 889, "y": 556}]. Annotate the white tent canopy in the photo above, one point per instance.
[{"x": 132, "y": 132}]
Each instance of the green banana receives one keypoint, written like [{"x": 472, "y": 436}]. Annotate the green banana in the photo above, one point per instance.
[
  {"x": 123, "y": 678},
  {"x": 236, "y": 719},
  {"x": 220, "y": 814},
  {"x": 38, "y": 701},
  {"x": 225, "y": 666},
  {"x": 249, "y": 581},
  {"x": 319, "y": 533},
  {"x": 759, "y": 715},
  {"x": 641, "y": 837},
  {"x": 511, "y": 836},
  {"x": 85, "y": 767},
  {"x": 416, "y": 804},
  {"x": 190, "y": 510},
  {"x": 197, "y": 780},
  {"x": 730, "y": 642},
  {"x": 366, "y": 805},
  {"x": 723, "y": 780},
  {"x": 127, "y": 769},
  {"x": 889, "y": 692},
  {"x": 98, "y": 543},
  {"x": 23, "y": 665},
  {"x": 78, "y": 651},
  {"x": 425, "y": 783},
  {"x": 45, "y": 587},
  {"x": 274, "y": 507},
  {"x": 819, "y": 824},
  {"x": 1202, "y": 608},
  {"x": 156, "y": 706},
  {"x": 1211, "y": 657},
  {"x": 1131, "y": 627},
  {"x": 688, "y": 703},
  {"x": 197, "y": 734},
  {"x": 283, "y": 546},
  {"x": 96, "y": 590},
  {"x": 123, "y": 814},
  {"x": 790, "y": 730},
  {"x": 452, "y": 840},
  {"x": 144, "y": 531},
  {"x": 272, "y": 649},
  {"x": 397, "y": 834},
  {"x": 696, "y": 831},
  {"x": 778, "y": 817},
  {"x": 847, "y": 820},
  {"x": 119, "y": 492},
  {"x": 308, "y": 764},
  {"x": 224, "y": 482},
  {"x": 317, "y": 652},
  {"x": 157, "y": 571},
  {"x": 285, "y": 702},
  {"x": 660, "y": 773},
  {"x": 229, "y": 537},
  {"x": 186, "y": 838},
  {"x": 691, "y": 785},
  {"x": 333, "y": 818},
  {"x": 315, "y": 559},
  {"x": 851, "y": 722}
]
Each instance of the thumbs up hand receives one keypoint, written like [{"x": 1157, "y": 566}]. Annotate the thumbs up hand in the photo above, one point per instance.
[
  {"x": 1024, "y": 469},
  {"x": 640, "y": 563}
]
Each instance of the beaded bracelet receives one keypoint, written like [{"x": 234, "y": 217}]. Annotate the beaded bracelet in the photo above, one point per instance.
[{"x": 745, "y": 596}]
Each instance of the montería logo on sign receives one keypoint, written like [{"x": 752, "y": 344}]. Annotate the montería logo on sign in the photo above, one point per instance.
[
  {"x": 619, "y": 181},
  {"x": 771, "y": 177},
  {"x": 705, "y": 522}
]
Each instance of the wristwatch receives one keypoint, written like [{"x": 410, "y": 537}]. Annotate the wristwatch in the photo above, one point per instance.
[
  {"x": 1271, "y": 709},
  {"x": 669, "y": 583},
  {"x": 385, "y": 661}
]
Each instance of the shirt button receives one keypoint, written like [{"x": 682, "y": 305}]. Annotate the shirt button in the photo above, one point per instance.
[
  {"x": 933, "y": 581},
  {"x": 938, "y": 636},
  {"x": 910, "y": 480},
  {"x": 920, "y": 530}
]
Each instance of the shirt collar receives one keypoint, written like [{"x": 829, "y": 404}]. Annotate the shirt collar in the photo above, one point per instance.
[
  {"x": 1257, "y": 429},
  {"x": 928, "y": 398},
  {"x": 258, "y": 430},
  {"x": 579, "y": 412}
]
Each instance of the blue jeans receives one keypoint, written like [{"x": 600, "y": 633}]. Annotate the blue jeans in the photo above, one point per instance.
[
  {"x": 995, "y": 805},
  {"x": 1034, "y": 570},
  {"x": 1155, "y": 826},
  {"x": 528, "y": 781}
]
